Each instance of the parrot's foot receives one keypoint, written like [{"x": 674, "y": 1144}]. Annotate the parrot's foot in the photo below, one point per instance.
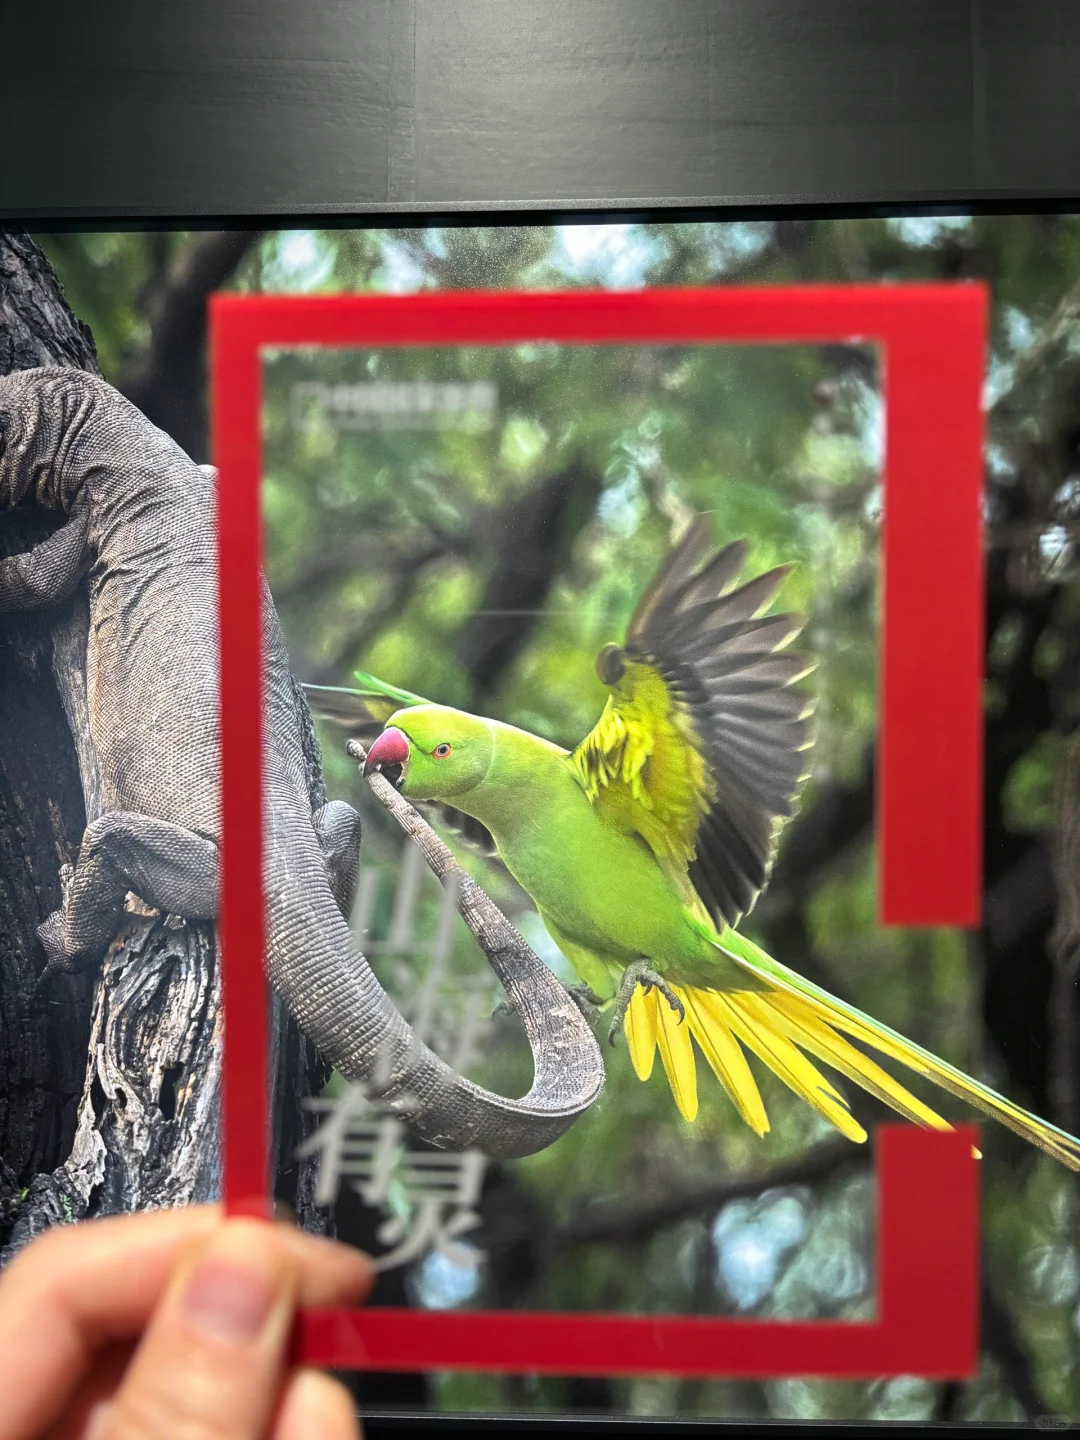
[
  {"x": 586, "y": 1000},
  {"x": 640, "y": 973}
]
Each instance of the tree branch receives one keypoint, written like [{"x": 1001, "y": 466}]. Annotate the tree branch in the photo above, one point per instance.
[
  {"x": 167, "y": 381},
  {"x": 629, "y": 1225},
  {"x": 525, "y": 542}
]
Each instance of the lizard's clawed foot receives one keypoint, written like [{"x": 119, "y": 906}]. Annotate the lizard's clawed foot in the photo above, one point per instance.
[
  {"x": 640, "y": 973},
  {"x": 61, "y": 958},
  {"x": 586, "y": 1000},
  {"x": 583, "y": 996},
  {"x": 57, "y": 961}
]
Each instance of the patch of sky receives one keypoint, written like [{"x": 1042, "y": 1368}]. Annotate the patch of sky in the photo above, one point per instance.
[
  {"x": 336, "y": 490},
  {"x": 927, "y": 230},
  {"x": 298, "y": 262},
  {"x": 401, "y": 273},
  {"x": 999, "y": 377},
  {"x": 1019, "y": 335},
  {"x": 1052, "y": 1273},
  {"x": 651, "y": 425},
  {"x": 796, "y": 1400},
  {"x": 1055, "y": 551},
  {"x": 871, "y": 409},
  {"x": 730, "y": 246},
  {"x": 830, "y": 1268},
  {"x": 1067, "y": 498},
  {"x": 752, "y": 1238},
  {"x": 1019, "y": 331},
  {"x": 619, "y": 509},
  {"x": 442, "y": 1284},
  {"x": 616, "y": 257},
  {"x": 906, "y": 1398},
  {"x": 999, "y": 463}
]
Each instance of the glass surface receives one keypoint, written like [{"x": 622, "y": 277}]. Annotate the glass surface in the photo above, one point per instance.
[{"x": 473, "y": 525}]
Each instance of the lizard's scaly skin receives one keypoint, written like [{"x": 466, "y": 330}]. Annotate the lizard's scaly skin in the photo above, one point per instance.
[{"x": 140, "y": 529}]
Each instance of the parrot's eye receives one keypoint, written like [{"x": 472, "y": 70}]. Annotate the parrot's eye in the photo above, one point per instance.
[{"x": 441, "y": 751}]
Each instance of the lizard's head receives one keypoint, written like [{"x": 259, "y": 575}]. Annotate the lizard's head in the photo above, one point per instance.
[
  {"x": 430, "y": 752},
  {"x": 42, "y": 412}
]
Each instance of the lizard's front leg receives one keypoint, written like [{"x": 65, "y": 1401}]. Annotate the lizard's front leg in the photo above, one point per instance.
[
  {"x": 50, "y": 571},
  {"x": 167, "y": 866}
]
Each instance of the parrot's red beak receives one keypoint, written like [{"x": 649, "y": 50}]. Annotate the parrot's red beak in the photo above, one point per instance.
[{"x": 388, "y": 756}]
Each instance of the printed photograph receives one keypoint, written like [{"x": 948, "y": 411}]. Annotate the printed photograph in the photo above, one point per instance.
[{"x": 573, "y": 683}]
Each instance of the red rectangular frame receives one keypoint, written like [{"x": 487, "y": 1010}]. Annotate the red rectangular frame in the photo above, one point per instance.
[{"x": 928, "y": 809}]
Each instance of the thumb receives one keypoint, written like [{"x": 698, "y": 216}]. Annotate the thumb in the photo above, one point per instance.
[{"x": 211, "y": 1360}]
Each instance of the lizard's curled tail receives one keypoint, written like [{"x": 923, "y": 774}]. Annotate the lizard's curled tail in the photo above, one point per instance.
[{"x": 783, "y": 1026}]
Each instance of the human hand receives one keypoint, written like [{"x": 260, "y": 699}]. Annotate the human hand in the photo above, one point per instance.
[{"x": 170, "y": 1325}]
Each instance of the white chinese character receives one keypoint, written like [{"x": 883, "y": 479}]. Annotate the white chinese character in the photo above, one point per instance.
[
  {"x": 442, "y": 1187},
  {"x": 431, "y": 1194}
]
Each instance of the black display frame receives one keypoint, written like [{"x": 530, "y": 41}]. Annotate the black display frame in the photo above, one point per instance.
[{"x": 423, "y": 109}]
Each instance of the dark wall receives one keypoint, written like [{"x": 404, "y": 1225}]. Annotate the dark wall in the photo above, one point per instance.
[{"x": 233, "y": 107}]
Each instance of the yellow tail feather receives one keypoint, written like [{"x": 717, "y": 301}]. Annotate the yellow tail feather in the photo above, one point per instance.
[
  {"x": 640, "y": 1026},
  {"x": 677, "y": 1053},
  {"x": 751, "y": 1021},
  {"x": 778, "y": 1027},
  {"x": 719, "y": 1023},
  {"x": 725, "y": 1056}
]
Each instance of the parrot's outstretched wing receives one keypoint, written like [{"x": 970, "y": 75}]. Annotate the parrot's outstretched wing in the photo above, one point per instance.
[
  {"x": 702, "y": 745},
  {"x": 363, "y": 712}
]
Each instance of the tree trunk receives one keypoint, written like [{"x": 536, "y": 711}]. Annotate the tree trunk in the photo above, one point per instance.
[{"x": 109, "y": 1083}]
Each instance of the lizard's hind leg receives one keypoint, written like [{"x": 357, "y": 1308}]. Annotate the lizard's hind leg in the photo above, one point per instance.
[{"x": 165, "y": 865}]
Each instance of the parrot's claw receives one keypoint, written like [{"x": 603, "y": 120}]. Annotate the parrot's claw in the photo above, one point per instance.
[
  {"x": 640, "y": 973},
  {"x": 586, "y": 1000}
]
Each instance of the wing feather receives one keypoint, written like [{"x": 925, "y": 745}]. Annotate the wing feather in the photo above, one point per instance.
[{"x": 702, "y": 744}]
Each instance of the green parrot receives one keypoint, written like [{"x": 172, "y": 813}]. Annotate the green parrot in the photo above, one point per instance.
[{"x": 644, "y": 847}]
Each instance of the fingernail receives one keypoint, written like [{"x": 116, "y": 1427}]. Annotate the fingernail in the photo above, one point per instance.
[{"x": 233, "y": 1289}]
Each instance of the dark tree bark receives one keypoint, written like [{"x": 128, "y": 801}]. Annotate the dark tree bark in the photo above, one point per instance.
[
  {"x": 43, "y": 1046},
  {"x": 109, "y": 1083},
  {"x": 526, "y": 543},
  {"x": 168, "y": 381}
]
